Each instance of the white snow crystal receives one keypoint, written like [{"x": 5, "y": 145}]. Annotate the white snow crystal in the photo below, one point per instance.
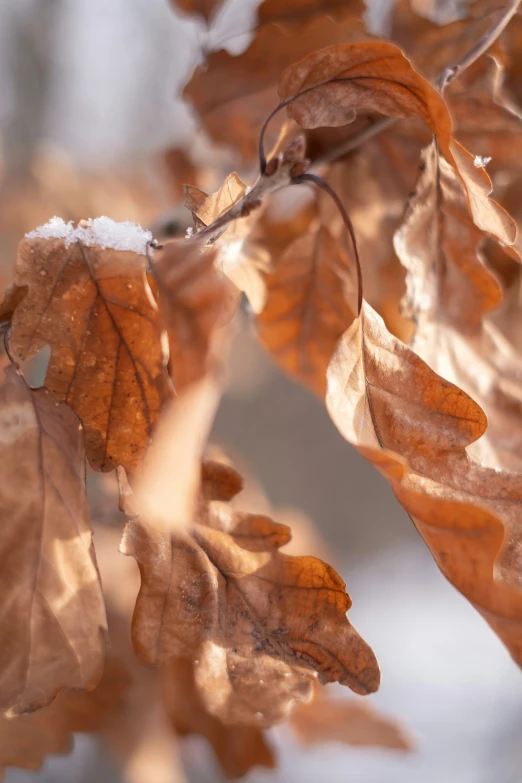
[
  {"x": 102, "y": 231},
  {"x": 480, "y": 162}
]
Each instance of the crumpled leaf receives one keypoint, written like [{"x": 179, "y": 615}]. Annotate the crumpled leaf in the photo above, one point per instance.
[
  {"x": 238, "y": 259},
  {"x": 262, "y": 625},
  {"x": 350, "y": 721},
  {"x": 93, "y": 307},
  {"x": 415, "y": 427},
  {"x": 449, "y": 292},
  {"x": 310, "y": 288},
  {"x": 238, "y": 748},
  {"x": 52, "y": 612},
  {"x": 328, "y": 86},
  {"x": 208, "y": 207},
  {"x": 233, "y": 95},
  {"x": 438, "y": 243},
  {"x": 195, "y": 299}
]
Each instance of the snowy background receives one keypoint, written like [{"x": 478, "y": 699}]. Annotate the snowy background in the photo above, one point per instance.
[{"x": 97, "y": 79}]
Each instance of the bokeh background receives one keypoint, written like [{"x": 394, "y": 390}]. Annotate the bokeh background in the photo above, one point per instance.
[{"x": 88, "y": 108}]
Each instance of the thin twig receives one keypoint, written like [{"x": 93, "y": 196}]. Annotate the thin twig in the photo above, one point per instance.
[
  {"x": 476, "y": 51},
  {"x": 448, "y": 75},
  {"x": 320, "y": 183},
  {"x": 356, "y": 141}
]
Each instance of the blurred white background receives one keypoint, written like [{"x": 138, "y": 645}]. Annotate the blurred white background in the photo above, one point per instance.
[{"x": 98, "y": 79}]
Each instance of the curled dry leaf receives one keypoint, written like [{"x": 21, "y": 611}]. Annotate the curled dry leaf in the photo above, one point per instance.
[
  {"x": 415, "y": 427},
  {"x": 261, "y": 625},
  {"x": 328, "y": 86},
  {"x": 350, "y": 721},
  {"x": 438, "y": 243},
  {"x": 242, "y": 266},
  {"x": 309, "y": 290},
  {"x": 238, "y": 748},
  {"x": 89, "y": 300},
  {"x": 233, "y": 95},
  {"x": 449, "y": 291},
  {"x": 195, "y": 299},
  {"x": 52, "y": 612}
]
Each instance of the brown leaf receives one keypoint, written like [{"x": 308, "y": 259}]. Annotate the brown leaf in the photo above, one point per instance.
[
  {"x": 52, "y": 614},
  {"x": 25, "y": 740},
  {"x": 308, "y": 306},
  {"x": 237, "y": 258},
  {"x": 298, "y": 12},
  {"x": 449, "y": 291},
  {"x": 350, "y": 721},
  {"x": 438, "y": 244},
  {"x": 88, "y": 299},
  {"x": 261, "y": 624},
  {"x": 415, "y": 427},
  {"x": 208, "y": 207},
  {"x": 238, "y": 748},
  {"x": 195, "y": 299},
  {"x": 233, "y": 95},
  {"x": 487, "y": 214},
  {"x": 328, "y": 86}
]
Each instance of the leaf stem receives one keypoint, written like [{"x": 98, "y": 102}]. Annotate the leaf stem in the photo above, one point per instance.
[{"x": 320, "y": 183}]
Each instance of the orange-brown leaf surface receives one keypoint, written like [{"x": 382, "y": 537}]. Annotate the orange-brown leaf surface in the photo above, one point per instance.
[
  {"x": 52, "y": 612},
  {"x": 350, "y": 721},
  {"x": 449, "y": 292},
  {"x": 415, "y": 427},
  {"x": 261, "y": 625},
  {"x": 309, "y": 290},
  {"x": 330, "y": 85},
  {"x": 233, "y": 95},
  {"x": 89, "y": 300},
  {"x": 195, "y": 299},
  {"x": 243, "y": 267},
  {"x": 238, "y": 748}
]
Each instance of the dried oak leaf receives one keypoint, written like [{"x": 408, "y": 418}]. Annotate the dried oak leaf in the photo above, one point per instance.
[
  {"x": 486, "y": 119},
  {"x": 25, "y": 740},
  {"x": 195, "y": 299},
  {"x": 449, "y": 291},
  {"x": 309, "y": 291},
  {"x": 52, "y": 612},
  {"x": 93, "y": 306},
  {"x": 415, "y": 427},
  {"x": 350, "y": 721},
  {"x": 233, "y": 95},
  {"x": 243, "y": 267},
  {"x": 329, "y": 85},
  {"x": 261, "y": 625},
  {"x": 238, "y": 748}
]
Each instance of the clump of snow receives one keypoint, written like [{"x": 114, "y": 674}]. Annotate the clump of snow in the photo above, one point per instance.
[
  {"x": 102, "y": 232},
  {"x": 480, "y": 162}
]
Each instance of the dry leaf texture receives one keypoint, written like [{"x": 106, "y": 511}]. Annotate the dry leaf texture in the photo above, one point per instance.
[
  {"x": 261, "y": 625},
  {"x": 52, "y": 611},
  {"x": 93, "y": 307}
]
